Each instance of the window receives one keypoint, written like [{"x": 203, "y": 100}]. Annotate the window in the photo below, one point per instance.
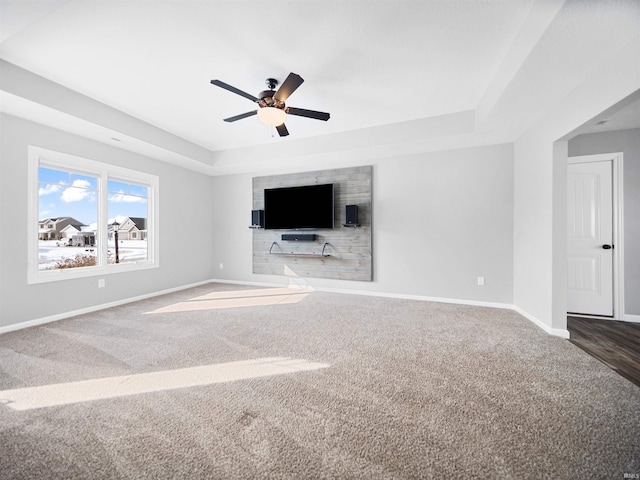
[
  {"x": 128, "y": 204},
  {"x": 88, "y": 218}
]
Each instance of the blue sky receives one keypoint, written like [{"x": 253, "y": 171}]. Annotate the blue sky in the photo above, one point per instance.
[{"x": 65, "y": 194}]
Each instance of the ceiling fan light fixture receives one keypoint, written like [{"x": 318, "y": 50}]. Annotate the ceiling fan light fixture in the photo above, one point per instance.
[{"x": 272, "y": 116}]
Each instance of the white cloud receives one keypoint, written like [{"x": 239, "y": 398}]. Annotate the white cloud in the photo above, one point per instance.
[
  {"x": 123, "y": 197},
  {"x": 78, "y": 191},
  {"x": 49, "y": 189}
]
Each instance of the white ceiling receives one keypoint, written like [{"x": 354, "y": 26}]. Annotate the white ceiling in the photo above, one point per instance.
[
  {"x": 368, "y": 63},
  {"x": 621, "y": 117}
]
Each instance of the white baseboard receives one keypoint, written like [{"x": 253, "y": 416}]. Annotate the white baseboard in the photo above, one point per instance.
[
  {"x": 557, "y": 332},
  {"x": 631, "y": 318},
  {"x": 624, "y": 318},
  {"x": 251, "y": 284},
  {"x": 94, "y": 308},
  {"x": 422, "y": 298},
  {"x": 40, "y": 321}
]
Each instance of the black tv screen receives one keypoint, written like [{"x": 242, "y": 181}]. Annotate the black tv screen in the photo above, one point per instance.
[{"x": 299, "y": 207}]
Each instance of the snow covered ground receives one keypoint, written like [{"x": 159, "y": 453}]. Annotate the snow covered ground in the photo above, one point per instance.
[{"x": 50, "y": 251}]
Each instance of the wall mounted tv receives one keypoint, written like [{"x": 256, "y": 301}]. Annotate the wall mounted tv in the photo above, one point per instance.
[{"x": 299, "y": 207}]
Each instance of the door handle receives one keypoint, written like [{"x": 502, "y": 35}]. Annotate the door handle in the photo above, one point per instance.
[{"x": 607, "y": 247}]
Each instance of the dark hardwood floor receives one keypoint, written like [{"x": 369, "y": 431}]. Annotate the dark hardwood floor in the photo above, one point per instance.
[{"x": 616, "y": 344}]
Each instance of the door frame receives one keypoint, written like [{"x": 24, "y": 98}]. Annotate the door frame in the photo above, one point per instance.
[{"x": 617, "y": 162}]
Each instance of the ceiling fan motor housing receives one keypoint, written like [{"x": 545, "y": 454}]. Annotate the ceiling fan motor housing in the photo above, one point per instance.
[{"x": 267, "y": 100}]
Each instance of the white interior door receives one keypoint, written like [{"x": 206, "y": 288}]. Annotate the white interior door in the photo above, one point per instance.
[{"x": 590, "y": 237}]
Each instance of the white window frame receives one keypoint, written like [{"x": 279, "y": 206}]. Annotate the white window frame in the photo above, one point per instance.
[{"x": 103, "y": 171}]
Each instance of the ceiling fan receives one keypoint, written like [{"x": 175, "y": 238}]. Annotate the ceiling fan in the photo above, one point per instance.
[{"x": 273, "y": 110}]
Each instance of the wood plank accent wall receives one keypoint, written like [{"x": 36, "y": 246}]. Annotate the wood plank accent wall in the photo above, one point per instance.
[{"x": 349, "y": 248}]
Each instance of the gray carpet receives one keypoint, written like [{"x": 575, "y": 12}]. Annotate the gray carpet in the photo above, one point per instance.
[{"x": 400, "y": 389}]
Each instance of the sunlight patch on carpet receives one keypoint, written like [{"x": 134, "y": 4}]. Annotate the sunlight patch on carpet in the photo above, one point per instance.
[
  {"x": 236, "y": 298},
  {"x": 111, "y": 387}
]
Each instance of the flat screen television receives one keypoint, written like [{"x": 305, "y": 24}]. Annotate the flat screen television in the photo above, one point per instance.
[{"x": 303, "y": 207}]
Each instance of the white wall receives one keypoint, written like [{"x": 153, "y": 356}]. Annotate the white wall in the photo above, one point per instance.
[
  {"x": 532, "y": 229},
  {"x": 186, "y": 228},
  {"x": 627, "y": 142},
  {"x": 540, "y": 288},
  {"x": 440, "y": 220}
]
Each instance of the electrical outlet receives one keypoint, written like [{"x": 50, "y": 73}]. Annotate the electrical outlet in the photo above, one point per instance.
[
  {"x": 481, "y": 281},
  {"x": 221, "y": 266},
  {"x": 101, "y": 283}
]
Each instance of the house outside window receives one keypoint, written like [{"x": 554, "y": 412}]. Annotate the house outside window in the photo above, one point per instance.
[
  {"x": 75, "y": 203},
  {"x": 127, "y": 206}
]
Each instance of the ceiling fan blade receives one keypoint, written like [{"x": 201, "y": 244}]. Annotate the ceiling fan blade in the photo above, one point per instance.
[
  {"x": 282, "y": 130},
  {"x": 301, "y": 112},
  {"x": 226, "y": 86},
  {"x": 289, "y": 86},
  {"x": 241, "y": 116}
]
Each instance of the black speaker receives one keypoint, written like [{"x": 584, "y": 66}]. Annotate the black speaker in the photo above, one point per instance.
[
  {"x": 352, "y": 214},
  {"x": 298, "y": 237},
  {"x": 257, "y": 218}
]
